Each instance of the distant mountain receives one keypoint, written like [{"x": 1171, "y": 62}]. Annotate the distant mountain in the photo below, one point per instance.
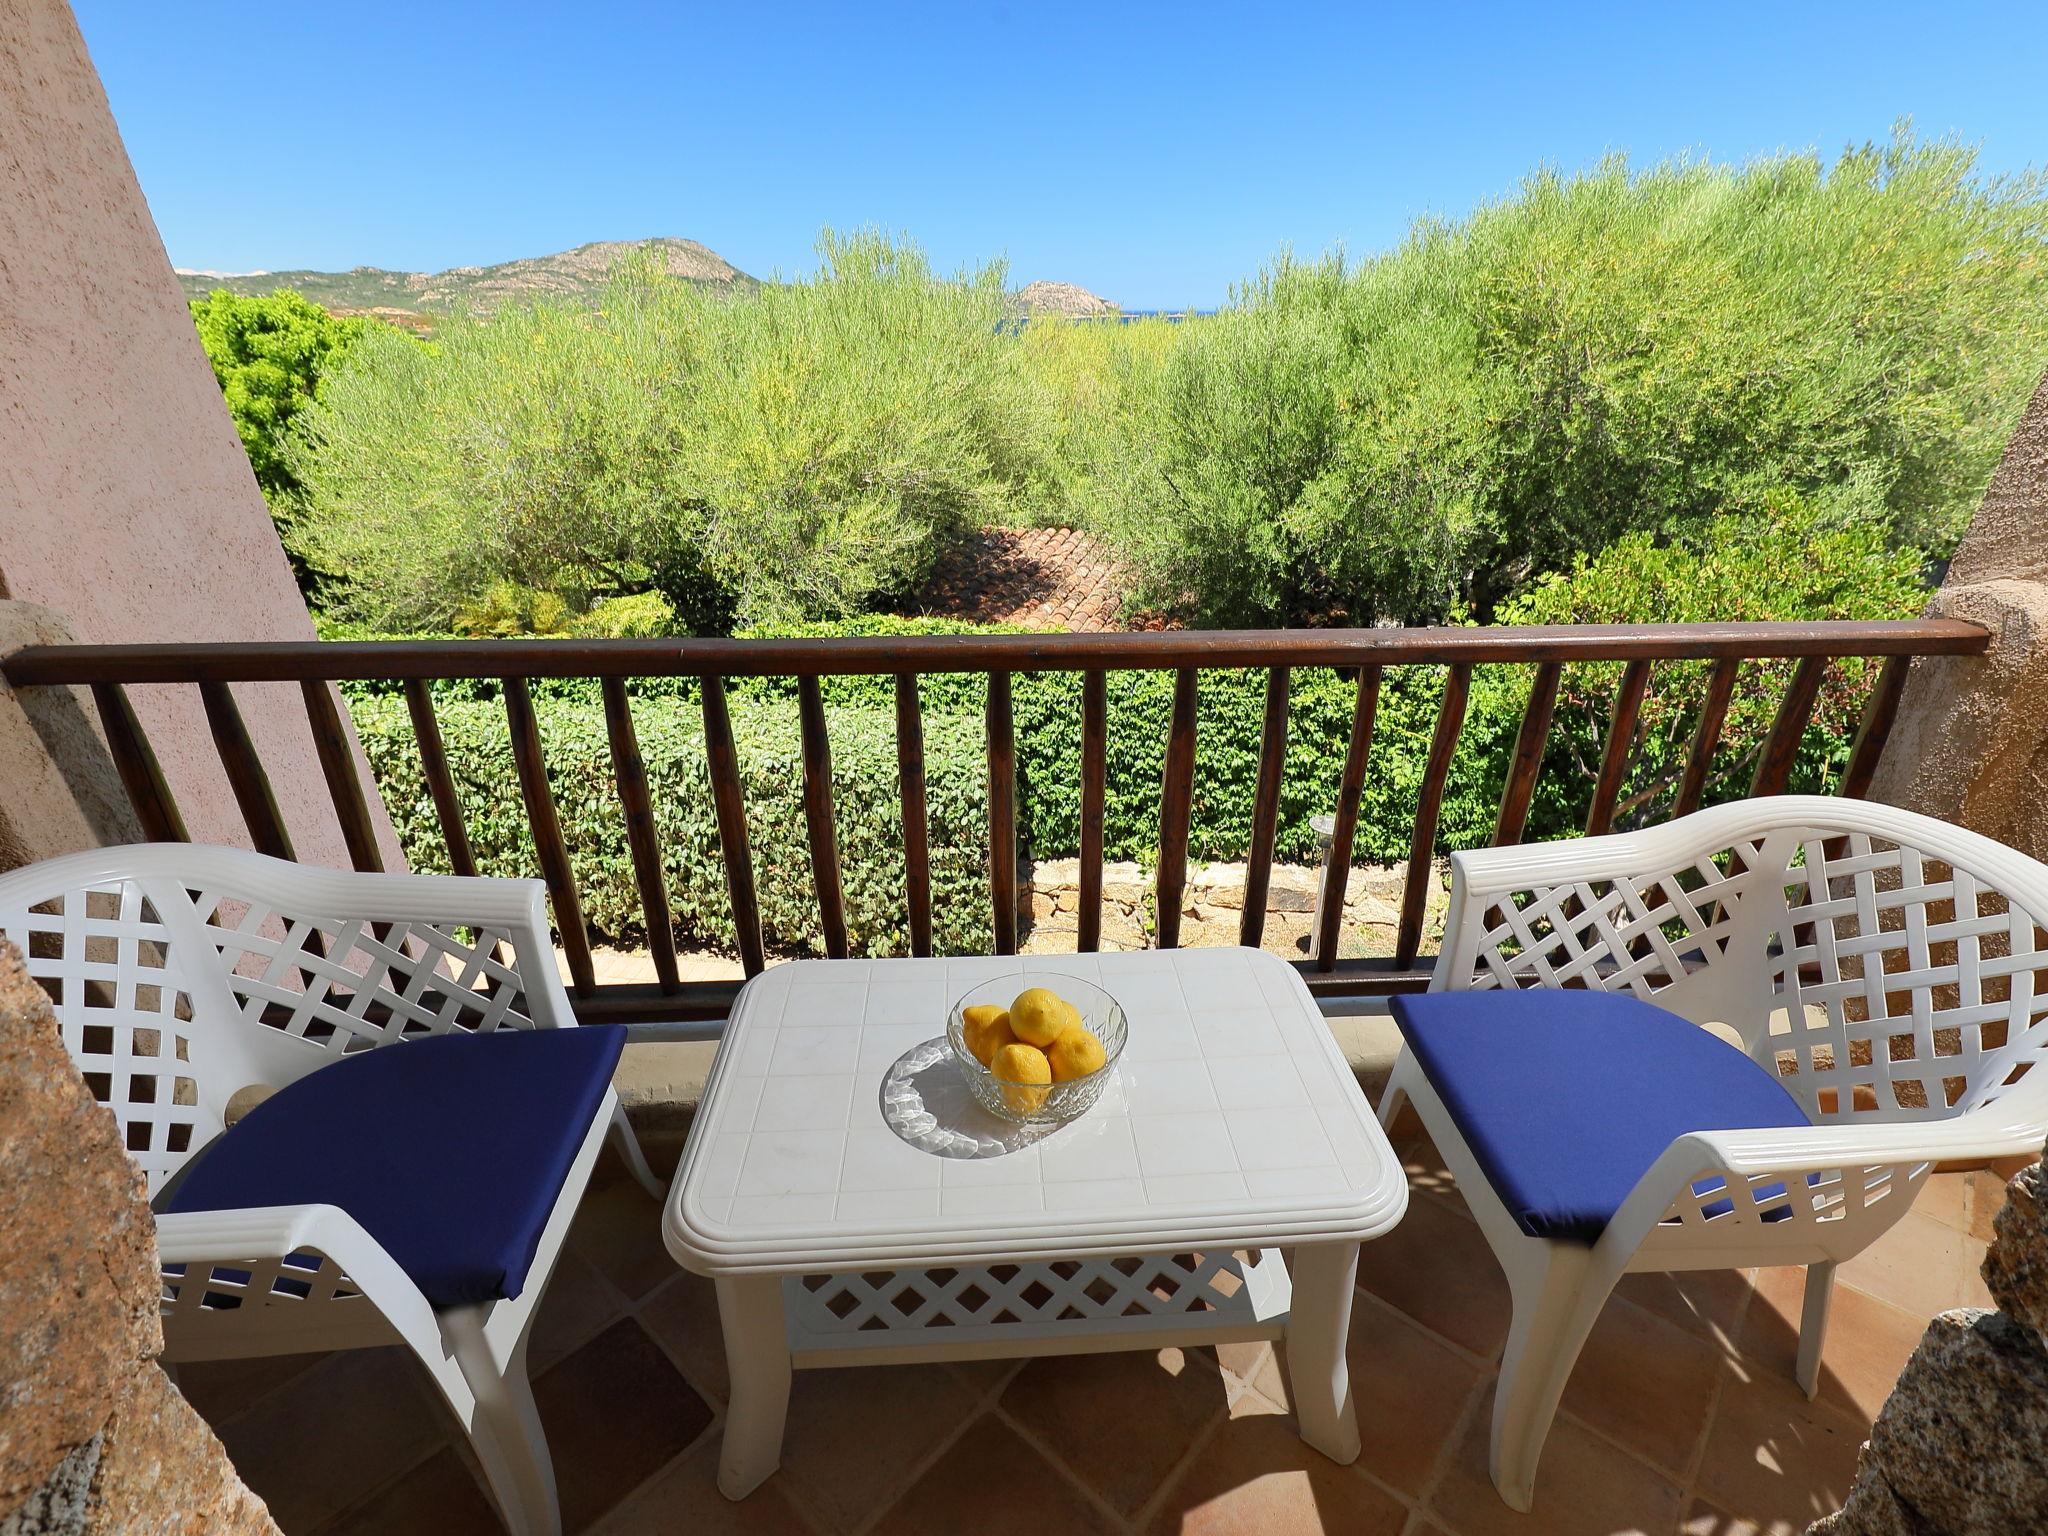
[
  {"x": 1043, "y": 298},
  {"x": 412, "y": 298}
]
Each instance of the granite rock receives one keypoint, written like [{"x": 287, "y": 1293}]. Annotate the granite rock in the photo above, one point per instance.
[{"x": 2016, "y": 1264}]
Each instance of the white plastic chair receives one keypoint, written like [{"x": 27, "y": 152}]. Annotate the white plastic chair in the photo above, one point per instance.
[
  {"x": 1890, "y": 968},
  {"x": 183, "y": 974}
]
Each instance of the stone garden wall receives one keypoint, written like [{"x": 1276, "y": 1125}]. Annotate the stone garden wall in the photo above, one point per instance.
[{"x": 1049, "y": 900}]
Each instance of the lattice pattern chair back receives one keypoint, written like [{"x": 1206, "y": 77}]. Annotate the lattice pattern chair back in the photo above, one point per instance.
[
  {"x": 181, "y": 974},
  {"x": 350, "y": 983},
  {"x": 1912, "y": 986},
  {"x": 117, "y": 983},
  {"x": 1881, "y": 979}
]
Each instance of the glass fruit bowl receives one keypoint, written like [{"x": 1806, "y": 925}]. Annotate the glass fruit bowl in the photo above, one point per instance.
[{"x": 1039, "y": 1103}]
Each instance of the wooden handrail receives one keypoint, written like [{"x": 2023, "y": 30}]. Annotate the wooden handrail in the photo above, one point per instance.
[
  {"x": 668, "y": 1003},
  {"x": 866, "y": 655}
]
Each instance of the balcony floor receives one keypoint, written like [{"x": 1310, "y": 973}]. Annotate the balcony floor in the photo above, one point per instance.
[{"x": 1681, "y": 1418}]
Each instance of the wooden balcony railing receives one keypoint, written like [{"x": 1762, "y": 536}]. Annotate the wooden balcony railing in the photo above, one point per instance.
[{"x": 667, "y": 1004}]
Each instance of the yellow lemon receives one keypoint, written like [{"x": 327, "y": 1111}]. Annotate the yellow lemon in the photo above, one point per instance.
[
  {"x": 1022, "y": 1068},
  {"x": 987, "y": 1029},
  {"x": 1075, "y": 1054},
  {"x": 1039, "y": 1016}
]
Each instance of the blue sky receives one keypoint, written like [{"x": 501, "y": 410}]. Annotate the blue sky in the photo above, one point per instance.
[{"x": 1154, "y": 155}]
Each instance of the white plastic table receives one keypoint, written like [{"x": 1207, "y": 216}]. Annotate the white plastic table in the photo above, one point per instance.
[{"x": 1233, "y": 1128}]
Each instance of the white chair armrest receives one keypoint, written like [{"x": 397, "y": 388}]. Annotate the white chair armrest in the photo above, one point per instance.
[{"x": 277, "y": 1231}]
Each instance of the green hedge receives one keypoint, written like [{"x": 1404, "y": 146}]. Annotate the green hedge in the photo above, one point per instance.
[
  {"x": 864, "y": 779},
  {"x": 672, "y": 743}
]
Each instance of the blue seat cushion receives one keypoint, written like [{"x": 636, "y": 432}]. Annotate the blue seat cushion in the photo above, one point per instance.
[
  {"x": 451, "y": 1151},
  {"x": 1566, "y": 1097}
]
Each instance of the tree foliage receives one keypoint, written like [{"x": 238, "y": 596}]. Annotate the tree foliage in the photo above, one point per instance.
[
  {"x": 1614, "y": 353},
  {"x": 268, "y": 355},
  {"x": 792, "y": 453}
]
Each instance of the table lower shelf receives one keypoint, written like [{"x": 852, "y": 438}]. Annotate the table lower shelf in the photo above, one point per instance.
[{"x": 1061, "y": 1306}]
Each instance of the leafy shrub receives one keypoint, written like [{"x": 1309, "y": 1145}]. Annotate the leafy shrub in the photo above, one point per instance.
[
  {"x": 268, "y": 355},
  {"x": 787, "y": 454},
  {"x": 672, "y": 742},
  {"x": 1609, "y": 353},
  {"x": 1790, "y": 563}
]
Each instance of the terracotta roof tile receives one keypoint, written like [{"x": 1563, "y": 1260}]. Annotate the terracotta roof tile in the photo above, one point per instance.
[{"x": 1047, "y": 578}]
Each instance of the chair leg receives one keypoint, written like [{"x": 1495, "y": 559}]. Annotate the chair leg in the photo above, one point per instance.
[
  {"x": 1555, "y": 1307},
  {"x": 627, "y": 1145},
  {"x": 505, "y": 1427},
  {"x": 1813, "y": 1325}
]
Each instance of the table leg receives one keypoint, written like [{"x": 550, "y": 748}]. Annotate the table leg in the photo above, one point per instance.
[
  {"x": 1318, "y": 1324},
  {"x": 757, "y": 1359}
]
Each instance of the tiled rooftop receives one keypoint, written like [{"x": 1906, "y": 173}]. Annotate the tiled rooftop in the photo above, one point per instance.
[
  {"x": 1045, "y": 578},
  {"x": 1681, "y": 1418}
]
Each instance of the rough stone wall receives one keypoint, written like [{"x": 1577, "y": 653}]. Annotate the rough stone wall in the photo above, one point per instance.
[
  {"x": 1213, "y": 903},
  {"x": 126, "y": 501},
  {"x": 1961, "y": 1445},
  {"x": 63, "y": 793},
  {"x": 1971, "y": 741},
  {"x": 93, "y": 1437}
]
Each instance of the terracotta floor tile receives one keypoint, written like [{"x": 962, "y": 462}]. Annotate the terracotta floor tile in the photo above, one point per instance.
[
  {"x": 1121, "y": 1421},
  {"x": 440, "y": 1497},
  {"x": 1920, "y": 1265},
  {"x": 1945, "y": 1197},
  {"x": 220, "y": 1389},
  {"x": 352, "y": 1422},
  {"x": 1774, "y": 1458},
  {"x": 618, "y": 1230},
  {"x": 578, "y": 1303},
  {"x": 1703, "y": 1519},
  {"x": 1645, "y": 1383},
  {"x": 992, "y": 1482},
  {"x": 1427, "y": 1173},
  {"x": 684, "y": 1315},
  {"x": 615, "y": 1410},
  {"x": 982, "y": 1377},
  {"x": 1584, "y": 1487},
  {"x": 1408, "y": 1391},
  {"x": 684, "y": 1497},
  {"x": 1705, "y": 1302},
  {"x": 1868, "y": 1340},
  {"x": 1435, "y": 1266},
  {"x": 1254, "y": 1477},
  {"x": 1987, "y": 1199},
  {"x": 854, "y": 1435}
]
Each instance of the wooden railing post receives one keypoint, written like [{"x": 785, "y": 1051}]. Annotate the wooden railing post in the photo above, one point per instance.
[
  {"x": 1258, "y": 867},
  {"x": 1527, "y": 765},
  {"x": 917, "y": 854},
  {"x": 723, "y": 763},
  {"x": 546, "y": 827},
  {"x": 337, "y": 756},
  {"x": 1350, "y": 790},
  {"x": 1774, "y": 767},
  {"x": 1002, "y": 813},
  {"x": 246, "y": 777},
  {"x": 426, "y": 732},
  {"x": 1706, "y": 736},
  {"x": 135, "y": 760},
  {"x": 1450, "y": 718},
  {"x": 819, "y": 823},
  {"x": 1875, "y": 729},
  {"x": 1176, "y": 806},
  {"x": 1621, "y": 734},
  {"x": 643, "y": 838},
  {"x": 1094, "y": 728}
]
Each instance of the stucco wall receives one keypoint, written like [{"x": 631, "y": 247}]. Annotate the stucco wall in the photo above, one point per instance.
[{"x": 126, "y": 503}]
